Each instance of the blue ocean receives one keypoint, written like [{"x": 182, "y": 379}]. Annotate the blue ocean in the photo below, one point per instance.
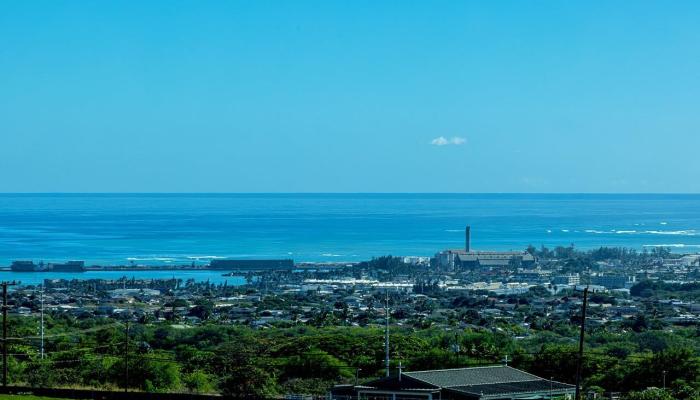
[{"x": 171, "y": 229}]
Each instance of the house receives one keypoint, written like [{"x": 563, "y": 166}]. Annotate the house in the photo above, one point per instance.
[{"x": 476, "y": 383}]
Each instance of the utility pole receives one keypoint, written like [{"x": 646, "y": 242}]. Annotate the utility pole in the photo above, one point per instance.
[
  {"x": 386, "y": 334},
  {"x": 126, "y": 359},
  {"x": 4, "y": 330},
  {"x": 42, "y": 322},
  {"x": 580, "y": 345}
]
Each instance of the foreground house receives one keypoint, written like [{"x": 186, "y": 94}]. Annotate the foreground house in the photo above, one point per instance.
[{"x": 478, "y": 383}]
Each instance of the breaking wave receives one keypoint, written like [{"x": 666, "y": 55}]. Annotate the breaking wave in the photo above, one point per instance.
[
  {"x": 205, "y": 257},
  {"x": 164, "y": 259},
  {"x": 691, "y": 232},
  {"x": 685, "y": 232},
  {"x": 676, "y": 245}
]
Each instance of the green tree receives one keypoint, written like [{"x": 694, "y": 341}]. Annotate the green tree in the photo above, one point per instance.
[
  {"x": 649, "y": 394},
  {"x": 316, "y": 364},
  {"x": 199, "y": 382},
  {"x": 245, "y": 368},
  {"x": 245, "y": 381}
]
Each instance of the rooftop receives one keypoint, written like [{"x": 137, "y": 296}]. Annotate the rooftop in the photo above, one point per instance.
[{"x": 457, "y": 377}]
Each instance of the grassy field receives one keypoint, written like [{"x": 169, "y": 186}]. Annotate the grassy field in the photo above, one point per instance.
[{"x": 23, "y": 397}]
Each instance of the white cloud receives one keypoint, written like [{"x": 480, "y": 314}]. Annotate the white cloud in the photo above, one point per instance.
[
  {"x": 443, "y": 141},
  {"x": 440, "y": 141}
]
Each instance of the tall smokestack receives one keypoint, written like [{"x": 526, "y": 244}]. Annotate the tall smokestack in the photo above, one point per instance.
[{"x": 468, "y": 239}]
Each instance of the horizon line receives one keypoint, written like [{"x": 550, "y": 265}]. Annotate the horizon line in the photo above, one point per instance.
[{"x": 335, "y": 193}]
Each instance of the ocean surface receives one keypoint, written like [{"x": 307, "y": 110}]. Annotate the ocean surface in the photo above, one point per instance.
[{"x": 170, "y": 229}]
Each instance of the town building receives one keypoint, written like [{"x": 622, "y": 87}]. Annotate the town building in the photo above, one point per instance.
[
  {"x": 613, "y": 281},
  {"x": 567, "y": 280},
  {"x": 536, "y": 275},
  {"x": 691, "y": 260}
]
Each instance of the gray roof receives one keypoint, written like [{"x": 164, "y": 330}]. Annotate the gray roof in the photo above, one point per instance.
[
  {"x": 485, "y": 383},
  {"x": 494, "y": 262},
  {"x": 533, "y": 386},
  {"x": 446, "y": 378},
  {"x": 483, "y": 256}
]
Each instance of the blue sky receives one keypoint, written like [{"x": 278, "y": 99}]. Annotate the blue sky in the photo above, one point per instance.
[{"x": 350, "y": 96}]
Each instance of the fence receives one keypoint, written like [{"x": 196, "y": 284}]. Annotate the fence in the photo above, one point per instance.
[{"x": 104, "y": 395}]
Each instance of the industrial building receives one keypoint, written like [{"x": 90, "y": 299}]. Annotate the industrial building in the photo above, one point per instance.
[
  {"x": 70, "y": 266},
  {"x": 252, "y": 265},
  {"x": 29, "y": 266},
  {"x": 24, "y": 266},
  {"x": 467, "y": 258}
]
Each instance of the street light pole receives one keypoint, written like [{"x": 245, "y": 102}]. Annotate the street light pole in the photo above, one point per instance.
[
  {"x": 550, "y": 387},
  {"x": 664, "y": 374}
]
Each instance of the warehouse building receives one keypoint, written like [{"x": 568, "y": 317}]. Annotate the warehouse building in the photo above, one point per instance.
[
  {"x": 476, "y": 383},
  {"x": 70, "y": 266},
  {"x": 467, "y": 258}
]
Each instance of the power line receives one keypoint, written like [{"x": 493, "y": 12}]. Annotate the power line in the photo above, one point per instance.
[{"x": 72, "y": 333}]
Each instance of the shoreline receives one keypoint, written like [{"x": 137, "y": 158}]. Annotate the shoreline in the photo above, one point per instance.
[{"x": 299, "y": 266}]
